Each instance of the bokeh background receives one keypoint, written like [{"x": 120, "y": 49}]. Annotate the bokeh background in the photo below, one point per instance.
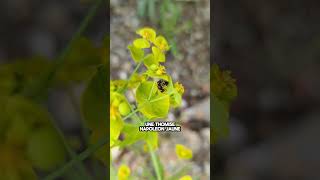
[
  {"x": 33, "y": 34},
  {"x": 272, "y": 49},
  {"x": 186, "y": 24}
]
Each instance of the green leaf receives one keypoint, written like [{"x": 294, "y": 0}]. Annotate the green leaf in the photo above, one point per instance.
[
  {"x": 136, "y": 79},
  {"x": 152, "y": 138},
  {"x": 149, "y": 60},
  {"x": 175, "y": 99},
  {"x": 15, "y": 76},
  {"x": 94, "y": 102},
  {"x": 23, "y": 109},
  {"x": 158, "y": 54},
  {"x": 141, "y": 43},
  {"x": 220, "y": 119},
  {"x": 116, "y": 125},
  {"x": 152, "y": 104},
  {"x": 18, "y": 132},
  {"x": 136, "y": 53},
  {"x": 131, "y": 135},
  {"x": 222, "y": 85},
  {"x": 19, "y": 117},
  {"x": 81, "y": 61},
  {"x": 224, "y": 91},
  {"x": 45, "y": 149},
  {"x": 83, "y": 51}
]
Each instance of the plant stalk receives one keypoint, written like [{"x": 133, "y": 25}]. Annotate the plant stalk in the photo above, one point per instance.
[
  {"x": 155, "y": 162},
  {"x": 84, "y": 155},
  {"x": 123, "y": 90}
]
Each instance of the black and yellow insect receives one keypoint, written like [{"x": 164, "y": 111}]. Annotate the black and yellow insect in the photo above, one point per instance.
[{"x": 162, "y": 85}]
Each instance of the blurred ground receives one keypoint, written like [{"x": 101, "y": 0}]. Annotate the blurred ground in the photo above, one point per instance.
[
  {"x": 272, "y": 48},
  {"x": 191, "y": 69}
]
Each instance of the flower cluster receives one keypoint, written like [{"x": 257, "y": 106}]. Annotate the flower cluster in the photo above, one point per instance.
[{"x": 155, "y": 93}]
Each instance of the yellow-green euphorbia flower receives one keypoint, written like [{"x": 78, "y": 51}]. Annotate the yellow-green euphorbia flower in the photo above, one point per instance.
[
  {"x": 116, "y": 123},
  {"x": 161, "y": 70},
  {"x": 179, "y": 87},
  {"x": 183, "y": 152},
  {"x": 147, "y": 33},
  {"x": 162, "y": 43},
  {"x": 123, "y": 172},
  {"x": 187, "y": 177}
]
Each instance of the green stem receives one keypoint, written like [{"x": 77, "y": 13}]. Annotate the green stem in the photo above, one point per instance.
[
  {"x": 151, "y": 90},
  {"x": 73, "y": 100},
  {"x": 162, "y": 97},
  {"x": 132, "y": 113},
  {"x": 72, "y": 154},
  {"x": 103, "y": 141},
  {"x": 155, "y": 161},
  {"x": 123, "y": 90}
]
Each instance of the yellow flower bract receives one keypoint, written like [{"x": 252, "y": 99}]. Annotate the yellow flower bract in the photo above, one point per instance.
[
  {"x": 147, "y": 33},
  {"x": 187, "y": 177},
  {"x": 179, "y": 87},
  {"x": 123, "y": 172},
  {"x": 162, "y": 43},
  {"x": 161, "y": 70},
  {"x": 183, "y": 152}
]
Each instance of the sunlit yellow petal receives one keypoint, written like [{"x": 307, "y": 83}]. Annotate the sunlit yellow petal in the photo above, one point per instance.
[
  {"x": 141, "y": 43},
  {"x": 123, "y": 172},
  {"x": 158, "y": 54},
  {"x": 147, "y": 33},
  {"x": 161, "y": 70},
  {"x": 179, "y": 87},
  {"x": 187, "y": 177},
  {"x": 162, "y": 43},
  {"x": 183, "y": 152}
]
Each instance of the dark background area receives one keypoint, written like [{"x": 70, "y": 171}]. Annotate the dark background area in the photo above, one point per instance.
[
  {"x": 36, "y": 28},
  {"x": 31, "y": 28},
  {"x": 272, "y": 49}
]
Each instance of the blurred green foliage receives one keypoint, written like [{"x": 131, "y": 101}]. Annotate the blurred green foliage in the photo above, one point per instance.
[
  {"x": 224, "y": 91},
  {"x": 168, "y": 15},
  {"x": 94, "y": 108},
  {"x": 27, "y": 133}
]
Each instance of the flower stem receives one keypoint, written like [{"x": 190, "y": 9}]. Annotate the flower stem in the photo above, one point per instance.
[
  {"x": 71, "y": 153},
  {"x": 151, "y": 90},
  {"x": 132, "y": 113},
  {"x": 123, "y": 90},
  {"x": 85, "y": 154},
  {"x": 155, "y": 162}
]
